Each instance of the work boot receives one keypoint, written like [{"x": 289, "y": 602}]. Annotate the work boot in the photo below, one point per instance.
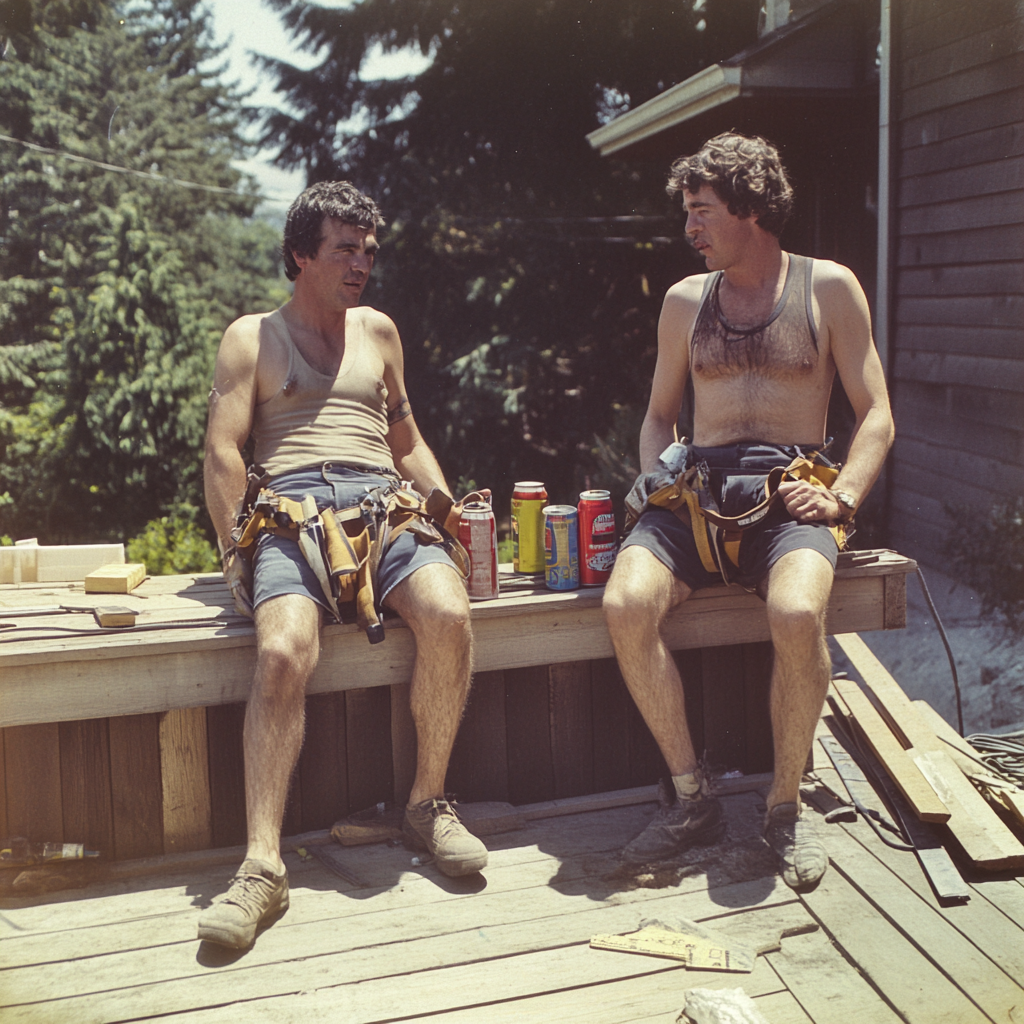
[
  {"x": 256, "y": 893},
  {"x": 434, "y": 826},
  {"x": 678, "y": 824},
  {"x": 793, "y": 837}
]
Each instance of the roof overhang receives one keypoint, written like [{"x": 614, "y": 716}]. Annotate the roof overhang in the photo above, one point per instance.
[{"x": 825, "y": 55}]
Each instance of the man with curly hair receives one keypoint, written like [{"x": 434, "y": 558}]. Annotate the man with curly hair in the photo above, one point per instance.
[{"x": 762, "y": 336}]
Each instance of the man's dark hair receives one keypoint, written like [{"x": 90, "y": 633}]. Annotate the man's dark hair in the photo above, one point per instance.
[
  {"x": 303, "y": 227},
  {"x": 746, "y": 173}
]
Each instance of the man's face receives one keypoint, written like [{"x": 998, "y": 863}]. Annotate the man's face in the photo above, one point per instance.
[
  {"x": 718, "y": 235},
  {"x": 343, "y": 262}
]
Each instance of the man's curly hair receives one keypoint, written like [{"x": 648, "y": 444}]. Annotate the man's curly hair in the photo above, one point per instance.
[
  {"x": 746, "y": 173},
  {"x": 303, "y": 227}
]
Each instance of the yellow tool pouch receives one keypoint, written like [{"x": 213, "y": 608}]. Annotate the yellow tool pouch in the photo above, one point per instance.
[
  {"x": 344, "y": 546},
  {"x": 719, "y": 537}
]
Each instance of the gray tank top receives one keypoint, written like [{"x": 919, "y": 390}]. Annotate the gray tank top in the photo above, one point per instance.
[
  {"x": 315, "y": 418},
  {"x": 787, "y": 340}
]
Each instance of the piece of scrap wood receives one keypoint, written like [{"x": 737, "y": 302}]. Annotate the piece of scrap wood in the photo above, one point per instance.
[
  {"x": 981, "y": 833},
  {"x": 896, "y": 761},
  {"x": 697, "y": 947},
  {"x": 383, "y": 822},
  {"x": 1003, "y": 790},
  {"x": 115, "y": 579}
]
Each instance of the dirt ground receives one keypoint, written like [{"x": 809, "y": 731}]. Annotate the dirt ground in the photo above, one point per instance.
[{"x": 990, "y": 663}]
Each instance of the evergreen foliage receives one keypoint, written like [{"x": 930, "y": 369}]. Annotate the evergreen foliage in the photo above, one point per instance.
[
  {"x": 528, "y": 313},
  {"x": 115, "y": 287}
]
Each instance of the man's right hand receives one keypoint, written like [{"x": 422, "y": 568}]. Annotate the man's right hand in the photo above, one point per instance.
[{"x": 238, "y": 577}]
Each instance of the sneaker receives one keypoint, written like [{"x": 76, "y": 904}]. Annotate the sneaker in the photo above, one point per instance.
[
  {"x": 677, "y": 825},
  {"x": 256, "y": 893},
  {"x": 793, "y": 838},
  {"x": 434, "y": 826}
]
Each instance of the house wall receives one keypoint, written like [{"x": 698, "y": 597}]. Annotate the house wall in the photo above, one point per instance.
[{"x": 957, "y": 354}]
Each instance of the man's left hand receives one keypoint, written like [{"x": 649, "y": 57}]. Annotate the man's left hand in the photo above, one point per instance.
[{"x": 809, "y": 504}]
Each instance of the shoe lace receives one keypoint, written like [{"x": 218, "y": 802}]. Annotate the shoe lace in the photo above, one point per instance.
[
  {"x": 445, "y": 818},
  {"x": 250, "y": 892}
]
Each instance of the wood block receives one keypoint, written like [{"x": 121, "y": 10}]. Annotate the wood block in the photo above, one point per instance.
[
  {"x": 725, "y": 732},
  {"x": 115, "y": 579},
  {"x": 758, "y": 660},
  {"x": 75, "y": 562},
  {"x": 984, "y": 838},
  {"x": 901, "y": 768},
  {"x": 185, "y": 777},
  {"x": 108, "y": 615}
]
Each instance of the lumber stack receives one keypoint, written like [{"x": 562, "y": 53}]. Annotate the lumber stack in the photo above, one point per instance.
[{"x": 938, "y": 773}]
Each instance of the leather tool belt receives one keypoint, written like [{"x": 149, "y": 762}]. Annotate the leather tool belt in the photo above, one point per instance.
[
  {"x": 344, "y": 546},
  {"x": 719, "y": 537}
]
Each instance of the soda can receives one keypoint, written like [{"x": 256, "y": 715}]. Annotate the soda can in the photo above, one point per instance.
[
  {"x": 561, "y": 547},
  {"x": 478, "y": 535},
  {"x": 528, "y": 500},
  {"x": 598, "y": 543}
]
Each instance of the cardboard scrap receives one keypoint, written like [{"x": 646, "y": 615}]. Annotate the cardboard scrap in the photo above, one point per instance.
[{"x": 692, "y": 944}]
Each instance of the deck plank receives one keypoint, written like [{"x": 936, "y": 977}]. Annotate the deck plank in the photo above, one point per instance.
[
  {"x": 918, "y": 990},
  {"x": 826, "y": 985}
]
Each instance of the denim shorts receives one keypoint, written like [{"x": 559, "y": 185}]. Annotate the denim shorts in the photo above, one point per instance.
[
  {"x": 279, "y": 566},
  {"x": 738, "y": 473}
]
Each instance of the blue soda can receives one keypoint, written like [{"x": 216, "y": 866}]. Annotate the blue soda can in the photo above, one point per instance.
[{"x": 561, "y": 547}]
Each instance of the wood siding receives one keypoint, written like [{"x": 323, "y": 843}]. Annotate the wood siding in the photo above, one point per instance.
[{"x": 957, "y": 369}]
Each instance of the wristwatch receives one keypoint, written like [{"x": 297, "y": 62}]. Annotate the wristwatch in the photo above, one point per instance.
[{"x": 847, "y": 505}]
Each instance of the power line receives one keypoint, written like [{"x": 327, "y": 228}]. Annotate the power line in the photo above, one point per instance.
[{"x": 149, "y": 175}]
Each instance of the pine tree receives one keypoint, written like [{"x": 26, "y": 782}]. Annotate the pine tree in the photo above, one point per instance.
[{"x": 116, "y": 286}]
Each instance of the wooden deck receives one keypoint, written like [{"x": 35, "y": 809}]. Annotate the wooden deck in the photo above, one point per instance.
[{"x": 401, "y": 942}]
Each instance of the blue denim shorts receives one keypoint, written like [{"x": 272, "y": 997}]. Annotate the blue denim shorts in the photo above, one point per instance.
[
  {"x": 279, "y": 566},
  {"x": 738, "y": 474}
]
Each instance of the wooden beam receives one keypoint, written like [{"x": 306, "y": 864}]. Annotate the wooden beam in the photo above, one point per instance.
[
  {"x": 976, "y": 827},
  {"x": 185, "y": 780},
  {"x": 134, "y": 672},
  {"x": 907, "y": 776}
]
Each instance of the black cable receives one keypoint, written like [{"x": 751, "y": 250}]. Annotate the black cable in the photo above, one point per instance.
[
  {"x": 949, "y": 651},
  {"x": 107, "y": 630}
]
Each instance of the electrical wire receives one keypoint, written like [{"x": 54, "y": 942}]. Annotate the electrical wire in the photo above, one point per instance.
[
  {"x": 149, "y": 175},
  {"x": 1004, "y": 753},
  {"x": 949, "y": 651}
]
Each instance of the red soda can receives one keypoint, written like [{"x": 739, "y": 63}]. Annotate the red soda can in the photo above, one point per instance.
[
  {"x": 598, "y": 543},
  {"x": 479, "y": 536}
]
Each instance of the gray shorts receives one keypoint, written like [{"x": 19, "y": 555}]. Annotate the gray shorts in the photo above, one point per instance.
[
  {"x": 279, "y": 566},
  {"x": 738, "y": 473}
]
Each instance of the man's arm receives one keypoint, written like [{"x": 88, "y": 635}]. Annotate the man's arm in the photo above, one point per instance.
[
  {"x": 671, "y": 370},
  {"x": 413, "y": 458},
  {"x": 229, "y": 423},
  {"x": 845, "y": 315}
]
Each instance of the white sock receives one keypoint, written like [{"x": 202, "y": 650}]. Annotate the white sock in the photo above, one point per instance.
[{"x": 689, "y": 786}]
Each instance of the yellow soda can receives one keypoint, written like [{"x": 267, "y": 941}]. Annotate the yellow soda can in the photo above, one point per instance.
[{"x": 528, "y": 500}]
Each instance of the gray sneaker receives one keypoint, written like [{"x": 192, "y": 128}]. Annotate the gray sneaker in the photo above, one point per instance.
[
  {"x": 434, "y": 826},
  {"x": 677, "y": 825},
  {"x": 793, "y": 837},
  {"x": 256, "y": 893}
]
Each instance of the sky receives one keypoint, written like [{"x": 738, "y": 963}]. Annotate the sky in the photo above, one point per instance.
[{"x": 250, "y": 25}]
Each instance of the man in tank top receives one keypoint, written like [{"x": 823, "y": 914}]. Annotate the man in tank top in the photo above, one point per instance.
[
  {"x": 319, "y": 385},
  {"x": 761, "y": 336}
]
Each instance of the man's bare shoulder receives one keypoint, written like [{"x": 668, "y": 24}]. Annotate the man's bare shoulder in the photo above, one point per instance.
[
  {"x": 687, "y": 291},
  {"x": 245, "y": 330},
  {"x": 832, "y": 278}
]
